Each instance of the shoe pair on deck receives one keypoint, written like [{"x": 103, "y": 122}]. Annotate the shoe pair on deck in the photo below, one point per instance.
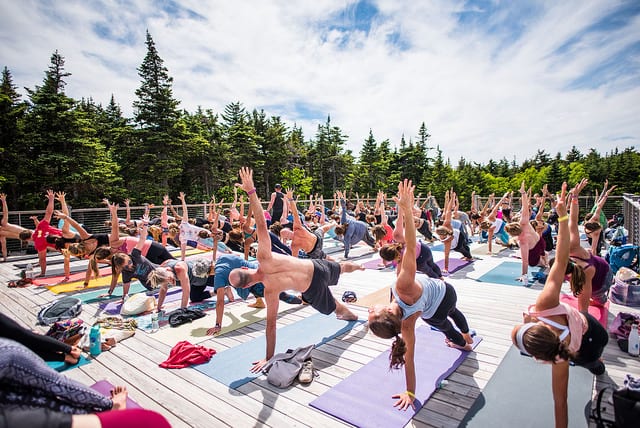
[{"x": 306, "y": 374}]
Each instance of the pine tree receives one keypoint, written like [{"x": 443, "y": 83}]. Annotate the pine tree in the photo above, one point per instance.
[
  {"x": 158, "y": 152},
  {"x": 11, "y": 112}
]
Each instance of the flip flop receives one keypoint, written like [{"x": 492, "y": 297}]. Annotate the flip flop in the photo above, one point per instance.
[{"x": 349, "y": 297}]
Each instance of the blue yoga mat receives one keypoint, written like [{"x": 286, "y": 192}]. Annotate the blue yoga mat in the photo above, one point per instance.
[
  {"x": 437, "y": 247},
  {"x": 61, "y": 366},
  {"x": 505, "y": 273},
  {"x": 232, "y": 366},
  {"x": 519, "y": 395},
  {"x": 364, "y": 398}
]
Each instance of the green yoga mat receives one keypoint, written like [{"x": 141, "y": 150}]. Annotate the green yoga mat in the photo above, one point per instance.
[
  {"x": 92, "y": 296},
  {"x": 232, "y": 366},
  {"x": 505, "y": 273},
  {"x": 519, "y": 395},
  {"x": 61, "y": 366}
]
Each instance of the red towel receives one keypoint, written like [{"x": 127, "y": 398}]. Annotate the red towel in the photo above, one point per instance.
[{"x": 185, "y": 354}]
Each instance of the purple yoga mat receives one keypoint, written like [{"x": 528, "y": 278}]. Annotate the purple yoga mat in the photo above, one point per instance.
[
  {"x": 454, "y": 264},
  {"x": 104, "y": 387},
  {"x": 364, "y": 398},
  {"x": 373, "y": 264},
  {"x": 113, "y": 307}
]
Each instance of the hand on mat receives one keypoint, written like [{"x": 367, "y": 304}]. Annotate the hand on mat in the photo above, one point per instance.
[
  {"x": 214, "y": 330},
  {"x": 104, "y": 295},
  {"x": 258, "y": 366},
  {"x": 404, "y": 401}
]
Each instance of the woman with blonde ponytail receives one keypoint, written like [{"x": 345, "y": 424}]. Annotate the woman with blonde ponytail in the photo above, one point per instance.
[
  {"x": 553, "y": 331},
  {"x": 433, "y": 300}
]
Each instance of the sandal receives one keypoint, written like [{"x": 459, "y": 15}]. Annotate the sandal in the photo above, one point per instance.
[
  {"x": 290, "y": 298},
  {"x": 349, "y": 297}
]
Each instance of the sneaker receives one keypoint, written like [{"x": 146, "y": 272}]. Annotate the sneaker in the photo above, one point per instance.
[{"x": 306, "y": 372}]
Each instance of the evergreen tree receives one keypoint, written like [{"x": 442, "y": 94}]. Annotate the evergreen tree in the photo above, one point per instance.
[
  {"x": 159, "y": 150},
  {"x": 11, "y": 112}
]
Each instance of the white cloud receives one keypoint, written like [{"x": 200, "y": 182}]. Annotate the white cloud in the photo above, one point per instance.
[{"x": 481, "y": 96}]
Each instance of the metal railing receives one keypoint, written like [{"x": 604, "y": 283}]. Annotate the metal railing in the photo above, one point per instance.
[{"x": 631, "y": 210}]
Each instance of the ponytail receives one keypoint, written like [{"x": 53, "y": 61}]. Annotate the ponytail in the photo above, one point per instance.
[
  {"x": 398, "y": 349},
  {"x": 578, "y": 277},
  {"x": 387, "y": 326}
]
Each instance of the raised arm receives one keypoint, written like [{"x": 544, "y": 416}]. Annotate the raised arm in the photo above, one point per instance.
[
  {"x": 5, "y": 209},
  {"x": 574, "y": 241},
  {"x": 246, "y": 182},
  {"x": 406, "y": 276},
  {"x": 549, "y": 297},
  {"x": 49, "y": 210}
]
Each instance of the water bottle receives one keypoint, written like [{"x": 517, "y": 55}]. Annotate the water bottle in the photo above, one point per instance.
[
  {"x": 28, "y": 273},
  {"x": 154, "y": 322},
  {"x": 634, "y": 340},
  {"x": 95, "y": 341}
]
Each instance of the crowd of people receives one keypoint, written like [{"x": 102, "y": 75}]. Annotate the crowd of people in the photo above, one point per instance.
[{"x": 278, "y": 254}]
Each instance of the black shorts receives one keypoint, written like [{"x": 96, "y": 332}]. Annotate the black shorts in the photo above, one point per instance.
[
  {"x": 318, "y": 295},
  {"x": 594, "y": 341}
]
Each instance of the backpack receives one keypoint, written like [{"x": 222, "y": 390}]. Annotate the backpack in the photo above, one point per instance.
[
  {"x": 62, "y": 309},
  {"x": 68, "y": 331},
  {"x": 626, "y": 288},
  {"x": 282, "y": 369},
  {"x": 623, "y": 256}
]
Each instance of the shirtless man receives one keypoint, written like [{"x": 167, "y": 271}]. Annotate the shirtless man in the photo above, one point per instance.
[
  {"x": 302, "y": 238},
  {"x": 279, "y": 273}
]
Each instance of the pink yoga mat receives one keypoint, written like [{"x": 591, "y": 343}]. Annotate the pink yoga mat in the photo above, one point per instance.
[{"x": 601, "y": 313}]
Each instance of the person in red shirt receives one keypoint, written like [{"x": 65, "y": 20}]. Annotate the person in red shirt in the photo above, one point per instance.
[{"x": 46, "y": 237}]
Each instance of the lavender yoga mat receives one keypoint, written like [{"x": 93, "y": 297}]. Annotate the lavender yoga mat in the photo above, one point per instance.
[
  {"x": 364, "y": 398},
  {"x": 113, "y": 307},
  {"x": 104, "y": 387},
  {"x": 454, "y": 264}
]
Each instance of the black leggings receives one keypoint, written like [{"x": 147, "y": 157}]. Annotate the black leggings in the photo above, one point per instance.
[
  {"x": 446, "y": 310},
  {"x": 47, "y": 348},
  {"x": 158, "y": 253}
]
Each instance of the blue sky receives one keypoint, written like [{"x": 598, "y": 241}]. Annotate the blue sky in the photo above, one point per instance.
[{"x": 490, "y": 79}]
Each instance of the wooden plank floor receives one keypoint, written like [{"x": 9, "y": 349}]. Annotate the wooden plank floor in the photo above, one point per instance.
[{"x": 189, "y": 398}]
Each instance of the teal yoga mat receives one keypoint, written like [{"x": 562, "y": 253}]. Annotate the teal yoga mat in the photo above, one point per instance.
[
  {"x": 519, "y": 395},
  {"x": 231, "y": 367},
  {"x": 92, "y": 296},
  {"x": 505, "y": 273},
  {"x": 61, "y": 366}
]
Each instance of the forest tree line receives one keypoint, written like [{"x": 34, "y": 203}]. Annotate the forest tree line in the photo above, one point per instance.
[{"x": 91, "y": 151}]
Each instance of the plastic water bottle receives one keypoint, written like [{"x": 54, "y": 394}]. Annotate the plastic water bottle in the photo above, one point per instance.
[
  {"x": 95, "y": 341},
  {"x": 154, "y": 322},
  {"x": 28, "y": 273},
  {"x": 634, "y": 340}
]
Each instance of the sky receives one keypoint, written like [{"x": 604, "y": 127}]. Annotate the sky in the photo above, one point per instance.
[{"x": 490, "y": 79}]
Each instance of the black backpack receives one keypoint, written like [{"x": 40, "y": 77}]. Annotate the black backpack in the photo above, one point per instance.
[{"x": 62, "y": 309}]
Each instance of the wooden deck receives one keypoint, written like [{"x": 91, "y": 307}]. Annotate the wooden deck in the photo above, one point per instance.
[{"x": 189, "y": 398}]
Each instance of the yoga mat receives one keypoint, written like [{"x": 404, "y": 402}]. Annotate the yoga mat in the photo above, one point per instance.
[
  {"x": 61, "y": 366},
  {"x": 364, "y": 398},
  {"x": 483, "y": 249},
  {"x": 454, "y": 264},
  {"x": 92, "y": 296},
  {"x": 519, "y": 395},
  {"x": 104, "y": 387},
  {"x": 376, "y": 264},
  {"x": 232, "y": 366},
  {"x": 437, "y": 247},
  {"x": 379, "y": 297},
  {"x": 77, "y": 277},
  {"x": 505, "y": 273},
  {"x": 67, "y": 287},
  {"x": 236, "y": 315},
  {"x": 601, "y": 313},
  {"x": 113, "y": 307},
  {"x": 59, "y": 270}
]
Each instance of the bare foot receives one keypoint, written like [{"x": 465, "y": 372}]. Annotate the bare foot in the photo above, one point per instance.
[
  {"x": 69, "y": 359},
  {"x": 343, "y": 313},
  {"x": 119, "y": 397},
  {"x": 75, "y": 352},
  {"x": 466, "y": 347},
  {"x": 467, "y": 337},
  {"x": 259, "y": 304}
]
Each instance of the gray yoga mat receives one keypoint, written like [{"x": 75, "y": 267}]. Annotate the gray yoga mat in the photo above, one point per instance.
[{"x": 519, "y": 395}]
